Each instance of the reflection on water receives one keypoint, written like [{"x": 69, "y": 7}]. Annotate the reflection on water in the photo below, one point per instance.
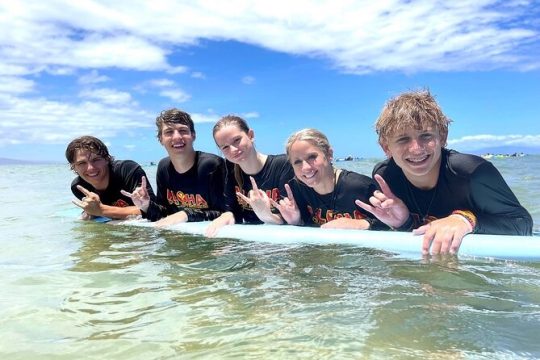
[{"x": 73, "y": 289}]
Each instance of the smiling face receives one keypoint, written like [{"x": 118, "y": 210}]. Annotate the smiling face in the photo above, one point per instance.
[
  {"x": 418, "y": 153},
  {"x": 177, "y": 139},
  {"x": 312, "y": 166},
  {"x": 92, "y": 168},
  {"x": 235, "y": 143}
]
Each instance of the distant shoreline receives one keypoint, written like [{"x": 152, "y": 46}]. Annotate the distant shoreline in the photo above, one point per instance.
[{"x": 8, "y": 161}]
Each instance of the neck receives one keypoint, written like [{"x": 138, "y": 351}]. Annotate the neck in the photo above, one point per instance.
[
  {"x": 254, "y": 164},
  {"x": 427, "y": 181},
  {"x": 329, "y": 185},
  {"x": 183, "y": 162}
]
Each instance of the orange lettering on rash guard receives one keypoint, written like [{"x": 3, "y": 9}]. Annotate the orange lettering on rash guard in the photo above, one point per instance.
[
  {"x": 319, "y": 219},
  {"x": 120, "y": 203},
  {"x": 193, "y": 201}
]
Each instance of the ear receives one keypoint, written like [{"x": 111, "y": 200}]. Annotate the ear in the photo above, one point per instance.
[
  {"x": 194, "y": 135},
  {"x": 251, "y": 134},
  {"x": 330, "y": 154},
  {"x": 443, "y": 140},
  {"x": 386, "y": 149}
]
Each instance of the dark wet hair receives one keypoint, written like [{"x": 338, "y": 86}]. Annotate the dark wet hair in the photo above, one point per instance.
[
  {"x": 90, "y": 143},
  {"x": 173, "y": 116}
]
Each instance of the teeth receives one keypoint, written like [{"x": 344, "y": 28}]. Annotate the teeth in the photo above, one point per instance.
[{"x": 417, "y": 160}]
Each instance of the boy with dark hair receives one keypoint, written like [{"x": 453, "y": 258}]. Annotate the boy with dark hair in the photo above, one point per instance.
[
  {"x": 189, "y": 183},
  {"x": 98, "y": 186}
]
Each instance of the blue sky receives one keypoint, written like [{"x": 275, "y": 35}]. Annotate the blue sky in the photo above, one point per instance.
[{"x": 70, "y": 68}]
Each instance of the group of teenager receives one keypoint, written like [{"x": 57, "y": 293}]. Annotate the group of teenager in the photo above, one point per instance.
[{"x": 422, "y": 186}]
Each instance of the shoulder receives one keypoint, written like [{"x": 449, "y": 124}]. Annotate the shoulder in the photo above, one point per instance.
[
  {"x": 464, "y": 164},
  {"x": 385, "y": 167},
  {"x": 124, "y": 165},
  {"x": 166, "y": 161},
  {"x": 209, "y": 157},
  {"x": 278, "y": 159},
  {"x": 209, "y": 162},
  {"x": 352, "y": 178}
]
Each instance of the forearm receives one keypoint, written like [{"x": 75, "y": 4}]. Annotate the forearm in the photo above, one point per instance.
[
  {"x": 115, "y": 212},
  {"x": 512, "y": 224},
  {"x": 196, "y": 215},
  {"x": 271, "y": 218},
  {"x": 346, "y": 223},
  {"x": 154, "y": 212}
]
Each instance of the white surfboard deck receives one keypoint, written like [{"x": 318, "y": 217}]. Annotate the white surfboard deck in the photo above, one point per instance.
[{"x": 504, "y": 247}]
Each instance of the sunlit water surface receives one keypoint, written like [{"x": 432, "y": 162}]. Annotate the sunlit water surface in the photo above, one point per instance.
[{"x": 76, "y": 290}]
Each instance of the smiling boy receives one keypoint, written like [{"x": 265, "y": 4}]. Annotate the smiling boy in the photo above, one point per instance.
[
  {"x": 440, "y": 193},
  {"x": 189, "y": 183},
  {"x": 101, "y": 179}
]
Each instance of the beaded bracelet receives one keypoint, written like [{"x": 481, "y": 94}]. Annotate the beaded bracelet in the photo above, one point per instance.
[{"x": 467, "y": 215}]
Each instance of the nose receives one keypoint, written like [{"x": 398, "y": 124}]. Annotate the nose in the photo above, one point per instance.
[
  {"x": 416, "y": 144},
  {"x": 305, "y": 166},
  {"x": 91, "y": 164}
]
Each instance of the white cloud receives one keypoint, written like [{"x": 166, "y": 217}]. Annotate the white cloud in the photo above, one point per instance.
[
  {"x": 162, "y": 83},
  {"x": 248, "y": 80},
  {"x": 169, "y": 89},
  {"x": 477, "y": 142},
  {"x": 61, "y": 37},
  {"x": 107, "y": 96},
  {"x": 33, "y": 121},
  {"x": 15, "y": 85},
  {"x": 92, "y": 77},
  {"x": 204, "y": 118},
  {"x": 358, "y": 36},
  {"x": 198, "y": 75},
  {"x": 177, "y": 95}
]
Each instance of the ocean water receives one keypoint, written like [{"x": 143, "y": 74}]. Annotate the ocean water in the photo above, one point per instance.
[{"x": 80, "y": 290}]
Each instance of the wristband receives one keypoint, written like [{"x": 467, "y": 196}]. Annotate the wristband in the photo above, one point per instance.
[
  {"x": 407, "y": 225},
  {"x": 467, "y": 215}
]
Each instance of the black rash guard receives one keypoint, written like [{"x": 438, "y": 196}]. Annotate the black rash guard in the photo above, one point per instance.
[
  {"x": 123, "y": 175},
  {"x": 276, "y": 172},
  {"x": 198, "y": 191},
  {"x": 466, "y": 182},
  {"x": 317, "y": 209}
]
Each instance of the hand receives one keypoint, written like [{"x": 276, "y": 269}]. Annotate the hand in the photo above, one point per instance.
[
  {"x": 90, "y": 203},
  {"x": 385, "y": 205},
  {"x": 178, "y": 217},
  {"x": 224, "y": 219},
  {"x": 444, "y": 236},
  {"x": 346, "y": 223},
  {"x": 139, "y": 196},
  {"x": 260, "y": 203},
  {"x": 86, "y": 216},
  {"x": 287, "y": 208}
]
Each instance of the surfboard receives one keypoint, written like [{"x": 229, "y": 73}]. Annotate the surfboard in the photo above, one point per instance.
[{"x": 503, "y": 247}]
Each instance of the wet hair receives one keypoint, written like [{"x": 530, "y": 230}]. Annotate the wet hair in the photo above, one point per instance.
[
  {"x": 414, "y": 109},
  {"x": 90, "y": 143},
  {"x": 313, "y": 136},
  {"x": 173, "y": 116},
  {"x": 232, "y": 120}
]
